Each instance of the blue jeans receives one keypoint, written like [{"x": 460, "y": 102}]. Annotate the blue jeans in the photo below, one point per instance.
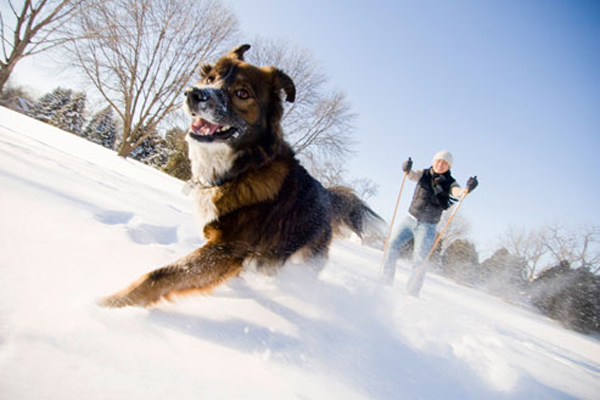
[{"x": 424, "y": 235}]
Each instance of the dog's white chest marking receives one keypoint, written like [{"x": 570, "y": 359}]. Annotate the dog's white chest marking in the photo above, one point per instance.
[
  {"x": 206, "y": 211},
  {"x": 210, "y": 161}
]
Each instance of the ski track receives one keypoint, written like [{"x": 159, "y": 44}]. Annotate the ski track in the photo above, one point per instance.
[{"x": 80, "y": 222}]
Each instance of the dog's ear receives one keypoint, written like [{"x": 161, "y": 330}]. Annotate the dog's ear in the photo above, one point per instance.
[
  {"x": 287, "y": 84},
  {"x": 205, "y": 70},
  {"x": 238, "y": 52}
]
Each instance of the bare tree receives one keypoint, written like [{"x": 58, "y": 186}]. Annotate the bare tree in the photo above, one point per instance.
[
  {"x": 365, "y": 188},
  {"x": 458, "y": 228},
  {"x": 318, "y": 124},
  {"x": 580, "y": 247},
  {"x": 526, "y": 246},
  {"x": 328, "y": 172},
  {"x": 141, "y": 54},
  {"x": 331, "y": 172},
  {"x": 553, "y": 244},
  {"x": 31, "y": 28}
]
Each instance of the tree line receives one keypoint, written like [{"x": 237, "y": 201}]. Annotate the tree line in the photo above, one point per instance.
[{"x": 553, "y": 268}]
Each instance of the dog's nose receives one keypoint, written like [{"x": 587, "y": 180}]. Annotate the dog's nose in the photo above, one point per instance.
[{"x": 195, "y": 95}]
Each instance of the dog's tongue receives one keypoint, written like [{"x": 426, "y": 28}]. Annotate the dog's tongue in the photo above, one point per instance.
[{"x": 201, "y": 126}]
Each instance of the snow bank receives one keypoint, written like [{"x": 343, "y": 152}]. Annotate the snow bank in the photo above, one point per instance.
[{"x": 78, "y": 223}]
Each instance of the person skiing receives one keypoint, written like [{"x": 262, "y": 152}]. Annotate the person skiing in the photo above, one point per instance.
[{"x": 435, "y": 192}]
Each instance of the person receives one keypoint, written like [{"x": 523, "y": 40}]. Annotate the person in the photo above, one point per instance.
[{"x": 435, "y": 192}]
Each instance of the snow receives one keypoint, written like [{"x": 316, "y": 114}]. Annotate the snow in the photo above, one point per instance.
[{"x": 79, "y": 223}]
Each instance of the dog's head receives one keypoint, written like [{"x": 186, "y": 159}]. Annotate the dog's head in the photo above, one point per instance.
[{"x": 237, "y": 103}]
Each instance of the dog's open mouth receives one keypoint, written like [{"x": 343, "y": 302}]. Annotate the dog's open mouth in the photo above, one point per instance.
[{"x": 205, "y": 131}]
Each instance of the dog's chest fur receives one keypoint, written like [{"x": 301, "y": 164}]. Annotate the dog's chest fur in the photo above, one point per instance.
[
  {"x": 254, "y": 186},
  {"x": 209, "y": 162}
]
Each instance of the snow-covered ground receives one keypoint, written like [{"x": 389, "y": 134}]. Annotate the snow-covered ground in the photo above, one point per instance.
[{"x": 78, "y": 222}]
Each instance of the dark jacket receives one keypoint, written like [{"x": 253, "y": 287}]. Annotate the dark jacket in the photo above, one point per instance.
[{"x": 432, "y": 195}]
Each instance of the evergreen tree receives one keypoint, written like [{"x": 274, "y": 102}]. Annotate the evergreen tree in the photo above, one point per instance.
[
  {"x": 179, "y": 164},
  {"x": 152, "y": 151},
  {"x": 47, "y": 106},
  {"x": 70, "y": 116},
  {"x": 571, "y": 296},
  {"x": 504, "y": 274},
  {"x": 460, "y": 262},
  {"x": 61, "y": 108},
  {"x": 102, "y": 128}
]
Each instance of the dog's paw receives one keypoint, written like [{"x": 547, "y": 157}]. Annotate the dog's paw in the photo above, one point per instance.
[
  {"x": 138, "y": 294},
  {"x": 119, "y": 301}
]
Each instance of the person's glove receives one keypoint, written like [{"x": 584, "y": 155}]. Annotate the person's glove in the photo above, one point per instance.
[
  {"x": 472, "y": 183},
  {"x": 407, "y": 165}
]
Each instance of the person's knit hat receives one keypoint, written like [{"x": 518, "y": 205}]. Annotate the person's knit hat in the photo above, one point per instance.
[{"x": 444, "y": 155}]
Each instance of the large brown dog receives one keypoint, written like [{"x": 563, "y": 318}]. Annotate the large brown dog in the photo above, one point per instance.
[{"x": 256, "y": 202}]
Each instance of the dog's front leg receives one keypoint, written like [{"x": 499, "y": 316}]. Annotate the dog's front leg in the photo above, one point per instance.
[{"x": 198, "y": 271}]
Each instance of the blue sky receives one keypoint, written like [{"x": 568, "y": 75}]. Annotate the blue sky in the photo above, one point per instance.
[{"x": 510, "y": 87}]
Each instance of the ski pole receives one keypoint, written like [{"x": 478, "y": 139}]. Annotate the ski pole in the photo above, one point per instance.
[
  {"x": 387, "y": 240},
  {"x": 416, "y": 280}
]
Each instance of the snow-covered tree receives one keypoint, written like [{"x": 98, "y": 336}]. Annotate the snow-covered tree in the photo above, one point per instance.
[
  {"x": 61, "y": 108},
  {"x": 102, "y": 128},
  {"x": 47, "y": 106},
  {"x": 152, "y": 151},
  {"x": 70, "y": 117}
]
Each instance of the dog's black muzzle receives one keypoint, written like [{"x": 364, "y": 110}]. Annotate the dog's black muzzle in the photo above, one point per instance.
[
  {"x": 196, "y": 95},
  {"x": 202, "y": 100}
]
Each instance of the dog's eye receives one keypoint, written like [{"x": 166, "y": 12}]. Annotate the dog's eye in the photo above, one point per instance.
[
  {"x": 242, "y": 94},
  {"x": 210, "y": 79}
]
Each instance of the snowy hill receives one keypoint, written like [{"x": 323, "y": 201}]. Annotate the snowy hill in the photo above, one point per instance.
[{"x": 78, "y": 223}]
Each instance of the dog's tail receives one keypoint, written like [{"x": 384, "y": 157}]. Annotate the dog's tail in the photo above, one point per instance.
[{"x": 349, "y": 211}]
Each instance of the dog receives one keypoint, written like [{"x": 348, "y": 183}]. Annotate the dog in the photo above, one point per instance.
[{"x": 256, "y": 203}]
